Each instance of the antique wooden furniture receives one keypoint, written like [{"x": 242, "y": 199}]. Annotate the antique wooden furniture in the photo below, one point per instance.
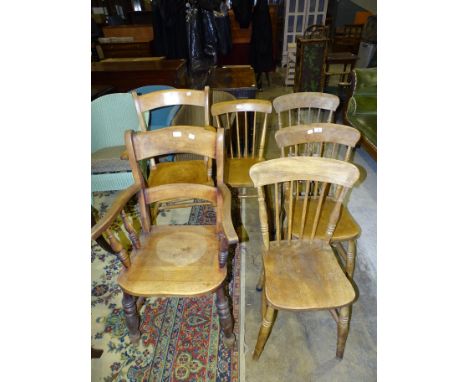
[
  {"x": 311, "y": 55},
  {"x": 120, "y": 49},
  {"x": 197, "y": 171},
  {"x": 303, "y": 273},
  {"x": 245, "y": 140},
  {"x": 172, "y": 260},
  {"x": 130, "y": 73},
  {"x": 345, "y": 59},
  {"x": 305, "y": 107},
  {"x": 239, "y": 80},
  {"x": 327, "y": 140},
  {"x": 347, "y": 39},
  {"x": 111, "y": 116},
  {"x": 361, "y": 111}
]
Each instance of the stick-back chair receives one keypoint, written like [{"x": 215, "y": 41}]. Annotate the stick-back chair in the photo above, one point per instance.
[
  {"x": 305, "y": 107},
  {"x": 325, "y": 140},
  {"x": 245, "y": 122},
  {"x": 302, "y": 273},
  {"x": 172, "y": 260}
]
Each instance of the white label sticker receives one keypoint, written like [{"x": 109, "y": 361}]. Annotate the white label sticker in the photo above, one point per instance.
[
  {"x": 189, "y": 94},
  {"x": 191, "y": 136},
  {"x": 310, "y": 131},
  {"x": 176, "y": 134},
  {"x": 317, "y": 129}
]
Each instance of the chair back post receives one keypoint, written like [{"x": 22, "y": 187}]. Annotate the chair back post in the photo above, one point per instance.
[{"x": 139, "y": 180}]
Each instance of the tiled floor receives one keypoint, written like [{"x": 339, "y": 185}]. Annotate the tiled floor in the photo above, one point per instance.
[{"x": 302, "y": 346}]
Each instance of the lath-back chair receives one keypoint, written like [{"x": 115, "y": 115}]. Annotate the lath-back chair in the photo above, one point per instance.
[
  {"x": 177, "y": 260},
  {"x": 245, "y": 122},
  {"x": 181, "y": 171},
  {"x": 305, "y": 107},
  {"x": 302, "y": 273}
]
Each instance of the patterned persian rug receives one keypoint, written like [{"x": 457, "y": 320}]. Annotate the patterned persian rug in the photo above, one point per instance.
[{"x": 181, "y": 338}]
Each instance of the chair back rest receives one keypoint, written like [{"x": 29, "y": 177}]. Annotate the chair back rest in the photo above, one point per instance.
[
  {"x": 172, "y": 97},
  {"x": 173, "y": 140},
  {"x": 305, "y": 107},
  {"x": 239, "y": 119},
  {"x": 328, "y": 140},
  {"x": 162, "y": 117},
  {"x": 296, "y": 178},
  {"x": 111, "y": 116}
]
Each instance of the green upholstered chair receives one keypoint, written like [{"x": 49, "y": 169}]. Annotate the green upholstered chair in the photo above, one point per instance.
[
  {"x": 361, "y": 112},
  {"x": 111, "y": 116}
]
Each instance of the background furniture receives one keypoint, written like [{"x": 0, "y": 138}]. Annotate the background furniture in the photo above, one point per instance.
[
  {"x": 303, "y": 274},
  {"x": 361, "y": 111},
  {"x": 305, "y": 107},
  {"x": 111, "y": 116},
  {"x": 311, "y": 55},
  {"x": 239, "y": 80},
  {"x": 177, "y": 260},
  {"x": 130, "y": 73},
  {"x": 347, "y": 39}
]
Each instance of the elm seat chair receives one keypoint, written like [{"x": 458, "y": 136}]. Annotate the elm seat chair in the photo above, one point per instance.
[
  {"x": 245, "y": 141},
  {"x": 303, "y": 274},
  {"x": 111, "y": 116},
  {"x": 305, "y": 107},
  {"x": 327, "y": 140},
  {"x": 177, "y": 260}
]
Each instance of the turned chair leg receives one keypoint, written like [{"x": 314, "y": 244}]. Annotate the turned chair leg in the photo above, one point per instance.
[
  {"x": 131, "y": 317},
  {"x": 225, "y": 317},
  {"x": 351, "y": 257},
  {"x": 265, "y": 331},
  {"x": 343, "y": 330}
]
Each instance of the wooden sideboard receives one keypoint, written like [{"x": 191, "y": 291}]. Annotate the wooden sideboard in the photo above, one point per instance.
[{"x": 125, "y": 74}]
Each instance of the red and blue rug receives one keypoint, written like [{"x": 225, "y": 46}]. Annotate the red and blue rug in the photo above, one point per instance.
[{"x": 181, "y": 338}]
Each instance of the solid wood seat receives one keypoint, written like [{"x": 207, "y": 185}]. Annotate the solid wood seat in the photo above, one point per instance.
[
  {"x": 346, "y": 227},
  {"x": 237, "y": 171},
  {"x": 301, "y": 272},
  {"x": 174, "y": 261},
  {"x": 187, "y": 171},
  {"x": 311, "y": 272}
]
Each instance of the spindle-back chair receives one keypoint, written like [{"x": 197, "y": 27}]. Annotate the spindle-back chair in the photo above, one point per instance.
[
  {"x": 302, "y": 273},
  {"x": 325, "y": 140},
  {"x": 305, "y": 107},
  {"x": 177, "y": 260},
  {"x": 245, "y": 122}
]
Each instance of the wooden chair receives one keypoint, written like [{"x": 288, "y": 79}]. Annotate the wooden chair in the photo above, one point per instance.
[
  {"x": 302, "y": 273},
  {"x": 181, "y": 171},
  {"x": 325, "y": 140},
  {"x": 244, "y": 140},
  {"x": 305, "y": 107},
  {"x": 179, "y": 260}
]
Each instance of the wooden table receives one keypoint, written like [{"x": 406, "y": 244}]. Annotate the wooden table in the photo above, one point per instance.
[
  {"x": 239, "y": 80},
  {"x": 125, "y": 74}
]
